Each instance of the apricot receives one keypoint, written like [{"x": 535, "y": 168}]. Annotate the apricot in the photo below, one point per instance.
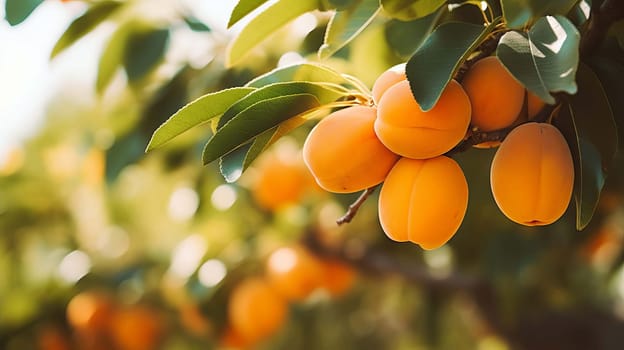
[
  {"x": 387, "y": 79},
  {"x": 280, "y": 182},
  {"x": 294, "y": 272},
  {"x": 90, "y": 311},
  {"x": 137, "y": 327},
  {"x": 532, "y": 174},
  {"x": 408, "y": 131},
  {"x": 256, "y": 310},
  {"x": 496, "y": 96},
  {"x": 51, "y": 337},
  {"x": 338, "y": 277},
  {"x": 231, "y": 339},
  {"x": 534, "y": 104},
  {"x": 423, "y": 201},
  {"x": 343, "y": 153}
]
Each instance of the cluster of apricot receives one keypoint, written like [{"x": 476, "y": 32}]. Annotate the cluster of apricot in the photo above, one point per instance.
[
  {"x": 258, "y": 305},
  {"x": 424, "y": 196},
  {"x": 99, "y": 322}
]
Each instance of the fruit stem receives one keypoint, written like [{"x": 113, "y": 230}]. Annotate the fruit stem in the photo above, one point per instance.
[
  {"x": 476, "y": 136},
  {"x": 355, "y": 206}
]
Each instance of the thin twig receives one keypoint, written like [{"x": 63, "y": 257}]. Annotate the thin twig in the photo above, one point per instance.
[
  {"x": 474, "y": 136},
  {"x": 355, "y": 206}
]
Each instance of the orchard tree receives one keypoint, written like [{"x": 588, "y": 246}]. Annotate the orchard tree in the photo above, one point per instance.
[{"x": 482, "y": 134}]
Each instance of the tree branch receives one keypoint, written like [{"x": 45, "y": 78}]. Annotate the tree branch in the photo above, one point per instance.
[
  {"x": 378, "y": 262},
  {"x": 355, "y": 206}
]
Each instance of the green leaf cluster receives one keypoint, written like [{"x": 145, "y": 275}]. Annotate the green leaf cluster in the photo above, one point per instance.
[
  {"x": 538, "y": 42},
  {"x": 248, "y": 119}
]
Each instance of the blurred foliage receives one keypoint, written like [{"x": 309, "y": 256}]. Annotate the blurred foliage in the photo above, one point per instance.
[{"x": 160, "y": 242}]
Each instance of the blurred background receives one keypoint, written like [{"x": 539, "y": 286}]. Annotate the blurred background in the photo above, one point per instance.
[{"x": 105, "y": 247}]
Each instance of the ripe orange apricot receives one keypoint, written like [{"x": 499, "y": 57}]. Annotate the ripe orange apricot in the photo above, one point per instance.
[
  {"x": 387, "y": 79},
  {"x": 231, "y": 339},
  {"x": 89, "y": 311},
  {"x": 496, "y": 96},
  {"x": 534, "y": 104},
  {"x": 280, "y": 182},
  {"x": 294, "y": 272},
  {"x": 343, "y": 153},
  {"x": 532, "y": 174},
  {"x": 423, "y": 201},
  {"x": 51, "y": 337},
  {"x": 338, "y": 277},
  {"x": 256, "y": 310},
  {"x": 408, "y": 131},
  {"x": 137, "y": 327}
]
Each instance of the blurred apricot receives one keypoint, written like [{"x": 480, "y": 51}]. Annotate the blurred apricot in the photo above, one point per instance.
[
  {"x": 50, "y": 337},
  {"x": 90, "y": 311},
  {"x": 343, "y": 153},
  {"x": 137, "y": 327},
  {"x": 94, "y": 167},
  {"x": 231, "y": 339},
  {"x": 294, "y": 272},
  {"x": 387, "y": 79},
  {"x": 423, "y": 201},
  {"x": 408, "y": 131},
  {"x": 338, "y": 277},
  {"x": 193, "y": 320},
  {"x": 256, "y": 310},
  {"x": 12, "y": 161},
  {"x": 280, "y": 181},
  {"x": 496, "y": 96},
  {"x": 532, "y": 174}
]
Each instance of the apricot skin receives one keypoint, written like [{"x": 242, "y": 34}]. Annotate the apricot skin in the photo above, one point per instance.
[
  {"x": 256, "y": 310},
  {"x": 343, "y": 153},
  {"x": 408, "y": 131},
  {"x": 532, "y": 175},
  {"x": 423, "y": 201},
  {"x": 280, "y": 183},
  {"x": 387, "y": 79},
  {"x": 495, "y": 95},
  {"x": 294, "y": 272}
]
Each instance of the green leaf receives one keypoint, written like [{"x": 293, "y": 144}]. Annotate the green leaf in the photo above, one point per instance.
[
  {"x": 347, "y": 24},
  {"x": 195, "y": 24},
  {"x": 340, "y": 4},
  {"x": 580, "y": 13},
  {"x": 406, "y": 37},
  {"x": 232, "y": 165},
  {"x": 112, "y": 56},
  {"x": 255, "y": 120},
  {"x": 610, "y": 73},
  {"x": 324, "y": 93},
  {"x": 82, "y": 25},
  {"x": 146, "y": 48},
  {"x": 16, "y": 11},
  {"x": 265, "y": 23},
  {"x": 310, "y": 72},
  {"x": 587, "y": 122},
  {"x": 195, "y": 113},
  {"x": 242, "y": 9},
  {"x": 519, "y": 13},
  {"x": 407, "y": 10},
  {"x": 437, "y": 60},
  {"x": 545, "y": 59}
]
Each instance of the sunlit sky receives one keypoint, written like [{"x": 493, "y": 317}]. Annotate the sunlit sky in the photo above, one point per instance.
[{"x": 27, "y": 76}]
